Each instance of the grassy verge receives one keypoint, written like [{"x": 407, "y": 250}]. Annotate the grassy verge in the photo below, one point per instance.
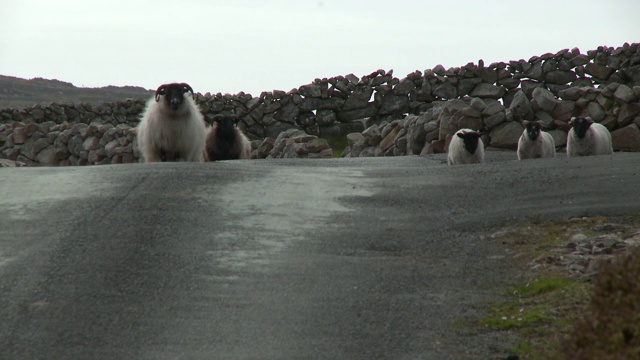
[{"x": 551, "y": 313}]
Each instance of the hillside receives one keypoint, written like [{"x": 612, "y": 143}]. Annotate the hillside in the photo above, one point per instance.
[{"x": 19, "y": 93}]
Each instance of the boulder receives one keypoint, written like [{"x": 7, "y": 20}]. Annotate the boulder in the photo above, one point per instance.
[
  {"x": 543, "y": 99},
  {"x": 627, "y": 138},
  {"x": 521, "y": 107},
  {"x": 506, "y": 135}
]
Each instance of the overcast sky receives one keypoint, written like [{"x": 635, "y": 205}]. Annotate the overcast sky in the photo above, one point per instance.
[{"x": 252, "y": 46}]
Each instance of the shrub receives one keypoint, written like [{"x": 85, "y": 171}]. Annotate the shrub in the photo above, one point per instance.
[{"x": 610, "y": 328}]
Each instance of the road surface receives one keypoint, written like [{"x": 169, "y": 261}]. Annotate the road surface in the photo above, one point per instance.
[{"x": 375, "y": 258}]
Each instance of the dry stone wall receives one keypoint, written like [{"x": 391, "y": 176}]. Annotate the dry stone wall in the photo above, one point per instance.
[
  {"x": 551, "y": 87},
  {"x": 616, "y": 106}
]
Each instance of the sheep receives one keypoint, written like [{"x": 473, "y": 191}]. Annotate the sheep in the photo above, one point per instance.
[
  {"x": 172, "y": 127},
  {"x": 466, "y": 147},
  {"x": 225, "y": 141},
  {"x": 535, "y": 143},
  {"x": 587, "y": 138}
]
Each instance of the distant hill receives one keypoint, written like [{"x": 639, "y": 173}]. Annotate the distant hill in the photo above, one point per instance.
[{"x": 20, "y": 93}]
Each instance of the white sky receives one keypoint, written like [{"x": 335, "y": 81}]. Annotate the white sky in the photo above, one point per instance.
[{"x": 253, "y": 46}]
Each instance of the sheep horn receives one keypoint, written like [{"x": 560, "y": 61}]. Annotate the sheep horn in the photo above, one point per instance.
[{"x": 160, "y": 89}]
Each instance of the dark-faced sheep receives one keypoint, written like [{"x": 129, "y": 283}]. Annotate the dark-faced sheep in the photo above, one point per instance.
[
  {"x": 225, "y": 141},
  {"x": 466, "y": 147},
  {"x": 587, "y": 138},
  {"x": 535, "y": 143},
  {"x": 172, "y": 127}
]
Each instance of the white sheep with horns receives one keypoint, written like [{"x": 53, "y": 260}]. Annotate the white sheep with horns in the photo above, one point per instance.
[{"x": 172, "y": 127}]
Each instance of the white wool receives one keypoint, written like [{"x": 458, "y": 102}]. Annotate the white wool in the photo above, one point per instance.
[
  {"x": 182, "y": 132},
  {"x": 458, "y": 154},
  {"x": 597, "y": 141},
  {"x": 542, "y": 147}
]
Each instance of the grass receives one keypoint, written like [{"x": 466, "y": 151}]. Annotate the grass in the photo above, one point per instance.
[
  {"x": 541, "y": 312},
  {"x": 338, "y": 143},
  {"x": 552, "y": 314}
]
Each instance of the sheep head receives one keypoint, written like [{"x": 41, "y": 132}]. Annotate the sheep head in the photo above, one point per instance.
[
  {"x": 533, "y": 129},
  {"x": 226, "y": 123},
  {"x": 581, "y": 126},
  {"x": 173, "y": 94},
  {"x": 470, "y": 139}
]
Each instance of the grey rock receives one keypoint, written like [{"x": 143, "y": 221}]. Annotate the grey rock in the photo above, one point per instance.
[
  {"x": 404, "y": 87},
  {"x": 559, "y": 77},
  {"x": 626, "y": 138},
  {"x": 465, "y": 86},
  {"x": 392, "y": 104},
  {"x": 492, "y": 121},
  {"x": 373, "y": 135},
  {"x": 358, "y": 99},
  {"x": 325, "y": 117},
  {"x": 506, "y": 135},
  {"x": 596, "y": 111},
  {"x": 546, "y": 119},
  {"x": 521, "y": 107},
  {"x": 543, "y": 99},
  {"x": 31, "y": 148},
  {"x": 599, "y": 71},
  {"x": 625, "y": 94},
  {"x": 492, "y": 108},
  {"x": 47, "y": 156},
  {"x": 446, "y": 91},
  {"x": 484, "y": 90}
]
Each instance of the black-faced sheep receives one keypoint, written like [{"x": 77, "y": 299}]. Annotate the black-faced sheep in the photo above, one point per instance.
[
  {"x": 172, "y": 127},
  {"x": 587, "y": 138},
  {"x": 466, "y": 147},
  {"x": 535, "y": 143},
  {"x": 225, "y": 141}
]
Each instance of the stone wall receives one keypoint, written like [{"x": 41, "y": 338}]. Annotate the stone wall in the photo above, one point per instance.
[
  {"x": 346, "y": 104},
  {"x": 616, "y": 106}
]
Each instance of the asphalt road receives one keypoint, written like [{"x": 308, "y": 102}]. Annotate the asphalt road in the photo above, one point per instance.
[{"x": 376, "y": 258}]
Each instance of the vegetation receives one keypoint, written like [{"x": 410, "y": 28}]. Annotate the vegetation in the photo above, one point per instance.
[
  {"x": 337, "y": 143},
  {"x": 559, "y": 317},
  {"x": 21, "y": 93},
  {"x": 610, "y": 327}
]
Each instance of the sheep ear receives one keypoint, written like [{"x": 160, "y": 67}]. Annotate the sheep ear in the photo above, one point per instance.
[
  {"x": 460, "y": 135},
  {"x": 589, "y": 119},
  {"x": 525, "y": 123}
]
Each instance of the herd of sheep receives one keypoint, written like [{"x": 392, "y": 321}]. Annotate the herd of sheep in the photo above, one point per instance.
[
  {"x": 585, "y": 138},
  {"x": 173, "y": 129}
]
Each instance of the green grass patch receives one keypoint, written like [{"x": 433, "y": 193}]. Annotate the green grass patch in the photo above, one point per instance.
[
  {"x": 338, "y": 144},
  {"x": 541, "y": 311},
  {"x": 541, "y": 286}
]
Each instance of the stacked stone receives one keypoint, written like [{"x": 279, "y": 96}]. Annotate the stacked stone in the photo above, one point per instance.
[
  {"x": 52, "y": 144},
  {"x": 292, "y": 143},
  {"x": 124, "y": 112},
  {"x": 615, "y": 105},
  {"x": 482, "y": 97}
]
